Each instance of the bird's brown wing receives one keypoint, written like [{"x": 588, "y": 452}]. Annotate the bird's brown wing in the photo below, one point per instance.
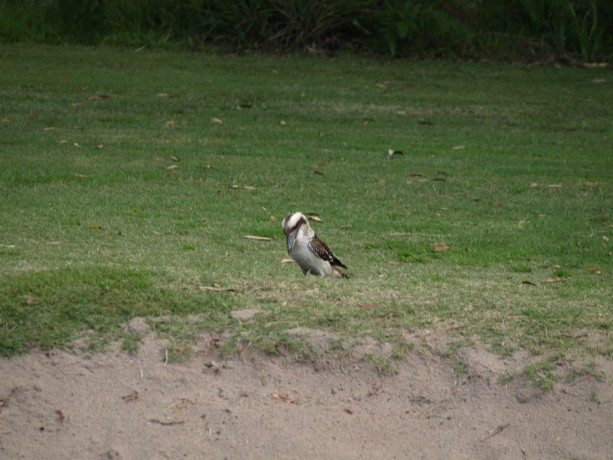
[{"x": 323, "y": 251}]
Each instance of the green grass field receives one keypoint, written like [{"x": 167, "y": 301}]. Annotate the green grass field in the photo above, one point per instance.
[{"x": 128, "y": 179}]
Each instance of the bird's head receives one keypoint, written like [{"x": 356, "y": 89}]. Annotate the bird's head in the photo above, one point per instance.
[{"x": 291, "y": 225}]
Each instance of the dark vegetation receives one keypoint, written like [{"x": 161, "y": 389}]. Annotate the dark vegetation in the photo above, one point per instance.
[{"x": 526, "y": 30}]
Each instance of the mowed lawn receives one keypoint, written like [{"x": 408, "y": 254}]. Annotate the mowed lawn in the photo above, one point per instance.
[{"x": 129, "y": 180}]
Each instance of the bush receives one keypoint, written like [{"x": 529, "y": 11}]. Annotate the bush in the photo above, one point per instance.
[
  {"x": 405, "y": 27},
  {"x": 559, "y": 28},
  {"x": 26, "y": 21},
  {"x": 528, "y": 29}
]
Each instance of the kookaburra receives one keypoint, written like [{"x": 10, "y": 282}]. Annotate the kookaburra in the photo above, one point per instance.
[{"x": 312, "y": 255}]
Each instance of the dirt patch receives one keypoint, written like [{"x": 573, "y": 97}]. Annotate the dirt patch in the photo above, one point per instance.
[{"x": 59, "y": 405}]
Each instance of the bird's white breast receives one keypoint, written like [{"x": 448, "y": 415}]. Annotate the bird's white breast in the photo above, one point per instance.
[{"x": 309, "y": 261}]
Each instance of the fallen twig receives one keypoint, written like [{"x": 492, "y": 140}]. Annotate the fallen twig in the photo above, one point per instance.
[
  {"x": 166, "y": 423},
  {"x": 215, "y": 288},
  {"x": 283, "y": 398},
  {"x": 496, "y": 431},
  {"x": 256, "y": 238}
]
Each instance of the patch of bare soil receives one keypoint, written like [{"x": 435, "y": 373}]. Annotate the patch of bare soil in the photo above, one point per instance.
[{"x": 60, "y": 405}]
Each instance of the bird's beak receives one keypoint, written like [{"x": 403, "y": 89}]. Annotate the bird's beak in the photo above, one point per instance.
[{"x": 291, "y": 239}]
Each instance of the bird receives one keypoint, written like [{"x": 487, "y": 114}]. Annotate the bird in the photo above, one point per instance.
[
  {"x": 312, "y": 255},
  {"x": 391, "y": 153}
]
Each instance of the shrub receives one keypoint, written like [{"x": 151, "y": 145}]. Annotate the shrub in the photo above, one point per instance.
[{"x": 533, "y": 29}]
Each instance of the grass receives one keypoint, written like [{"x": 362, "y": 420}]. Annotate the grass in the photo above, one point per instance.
[{"x": 128, "y": 179}]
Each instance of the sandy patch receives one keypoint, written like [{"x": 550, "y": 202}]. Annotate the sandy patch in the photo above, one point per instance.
[{"x": 59, "y": 405}]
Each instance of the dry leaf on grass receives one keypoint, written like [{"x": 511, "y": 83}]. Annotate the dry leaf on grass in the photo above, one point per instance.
[
  {"x": 241, "y": 187},
  {"x": 369, "y": 305},
  {"x": 554, "y": 280},
  {"x": 256, "y": 238},
  {"x": 518, "y": 317},
  {"x": 287, "y": 260},
  {"x": 215, "y": 288},
  {"x": 440, "y": 247}
]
